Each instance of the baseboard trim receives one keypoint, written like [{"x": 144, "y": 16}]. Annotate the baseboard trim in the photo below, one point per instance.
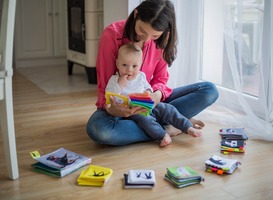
[{"x": 20, "y": 63}]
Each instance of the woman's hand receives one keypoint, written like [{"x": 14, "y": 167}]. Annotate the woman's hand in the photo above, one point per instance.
[
  {"x": 156, "y": 97},
  {"x": 117, "y": 110}
]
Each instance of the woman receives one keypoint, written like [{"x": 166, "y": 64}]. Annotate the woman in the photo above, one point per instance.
[{"x": 152, "y": 27}]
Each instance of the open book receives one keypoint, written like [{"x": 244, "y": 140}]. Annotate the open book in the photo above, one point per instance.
[{"x": 135, "y": 99}]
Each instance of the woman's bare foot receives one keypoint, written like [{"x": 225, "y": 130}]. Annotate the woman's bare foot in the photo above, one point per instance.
[
  {"x": 166, "y": 140},
  {"x": 194, "y": 132},
  {"x": 172, "y": 131},
  {"x": 198, "y": 124}
]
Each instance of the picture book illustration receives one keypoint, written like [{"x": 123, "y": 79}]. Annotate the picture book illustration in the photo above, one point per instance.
[
  {"x": 233, "y": 133},
  {"x": 61, "y": 158},
  {"x": 95, "y": 176},
  {"x": 119, "y": 99},
  {"x": 182, "y": 172},
  {"x": 233, "y": 143},
  {"x": 224, "y": 164},
  {"x": 183, "y": 176},
  {"x": 135, "y": 99},
  {"x": 141, "y": 177},
  {"x": 64, "y": 160}
]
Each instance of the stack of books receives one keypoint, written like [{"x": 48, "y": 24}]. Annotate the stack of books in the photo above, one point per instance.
[
  {"x": 233, "y": 140},
  {"x": 59, "y": 163},
  {"x": 95, "y": 176},
  {"x": 221, "y": 165},
  {"x": 135, "y": 99},
  {"x": 183, "y": 176},
  {"x": 139, "y": 179}
]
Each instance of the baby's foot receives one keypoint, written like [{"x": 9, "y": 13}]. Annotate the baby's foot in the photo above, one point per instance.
[
  {"x": 194, "y": 132},
  {"x": 198, "y": 124},
  {"x": 172, "y": 131},
  {"x": 166, "y": 140}
]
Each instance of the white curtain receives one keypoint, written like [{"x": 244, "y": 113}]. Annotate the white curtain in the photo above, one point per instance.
[
  {"x": 258, "y": 125},
  {"x": 229, "y": 43},
  {"x": 189, "y": 25}
]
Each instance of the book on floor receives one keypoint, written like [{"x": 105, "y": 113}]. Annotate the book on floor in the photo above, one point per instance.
[
  {"x": 232, "y": 146},
  {"x": 132, "y": 185},
  {"x": 233, "y": 133},
  {"x": 95, "y": 176},
  {"x": 221, "y": 165},
  {"x": 183, "y": 176},
  {"x": 141, "y": 178},
  {"x": 59, "y": 163},
  {"x": 233, "y": 143}
]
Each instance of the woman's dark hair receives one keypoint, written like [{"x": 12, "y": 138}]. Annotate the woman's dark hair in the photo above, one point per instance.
[{"x": 160, "y": 15}]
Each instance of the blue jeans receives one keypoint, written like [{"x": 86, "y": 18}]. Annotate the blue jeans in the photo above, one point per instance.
[{"x": 189, "y": 100}]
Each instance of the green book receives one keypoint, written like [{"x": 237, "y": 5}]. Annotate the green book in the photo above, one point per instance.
[
  {"x": 181, "y": 184},
  {"x": 183, "y": 176},
  {"x": 182, "y": 173}
]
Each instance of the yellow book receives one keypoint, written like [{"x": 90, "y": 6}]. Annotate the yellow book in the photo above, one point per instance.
[
  {"x": 120, "y": 99},
  {"x": 94, "y": 176}
]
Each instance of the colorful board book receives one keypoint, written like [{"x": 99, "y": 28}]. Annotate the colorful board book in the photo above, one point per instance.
[
  {"x": 183, "y": 176},
  {"x": 141, "y": 178},
  {"x": 95, "y": 176},
  {"x": 233, "y": 140},
  {"x": 221, "y": 165},
  {"x": 135, "y": 99},
  {"x": 59, "y": 163}
]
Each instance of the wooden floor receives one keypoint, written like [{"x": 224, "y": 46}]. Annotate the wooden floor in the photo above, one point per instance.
[{"x": 46, "y": 122}]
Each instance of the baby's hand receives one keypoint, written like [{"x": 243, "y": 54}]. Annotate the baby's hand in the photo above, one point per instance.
[{"x": 122, "y": 81}]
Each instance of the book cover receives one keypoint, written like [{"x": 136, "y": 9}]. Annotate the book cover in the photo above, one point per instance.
[
  {"x": 225, "y": 164},
  {"x": 233, "y": 133},
  {"x": 233, "y": 143},
  {"x": 95, "y": 176},
  {"x": 132, "y": 185},
  {"x": 135, "y": 99},
  {"x": 182, "y": 172},
  {"x": 60, "y": 162},
  {"x": 119, "y": 99},
  {"x": 141, "y": 177}
]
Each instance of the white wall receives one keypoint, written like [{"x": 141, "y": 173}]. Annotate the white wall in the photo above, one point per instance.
[{"x": 115, "y": 10}]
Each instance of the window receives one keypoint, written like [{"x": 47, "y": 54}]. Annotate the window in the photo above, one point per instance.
[{"x": 231, "y": 50}]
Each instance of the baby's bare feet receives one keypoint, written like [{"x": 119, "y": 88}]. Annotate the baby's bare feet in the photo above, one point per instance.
[
  {"x": 198, "y": 124},
  {"x": 172, "y": 131},
  {"x": 194, "y": 132},
  {"x": 166, "y": 140}
]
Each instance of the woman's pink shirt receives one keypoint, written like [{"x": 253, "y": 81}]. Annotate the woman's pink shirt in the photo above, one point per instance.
[{"x": 153, "y": 65}]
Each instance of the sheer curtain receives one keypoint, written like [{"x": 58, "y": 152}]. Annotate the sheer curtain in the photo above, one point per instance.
[
  {"x": 185, "y": 68},
  {"x": 258, "y": 124},
  {"x": 229, "y": 43}
]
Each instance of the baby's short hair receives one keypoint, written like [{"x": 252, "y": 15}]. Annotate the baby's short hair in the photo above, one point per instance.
[{"x": 130, "y": 48}]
